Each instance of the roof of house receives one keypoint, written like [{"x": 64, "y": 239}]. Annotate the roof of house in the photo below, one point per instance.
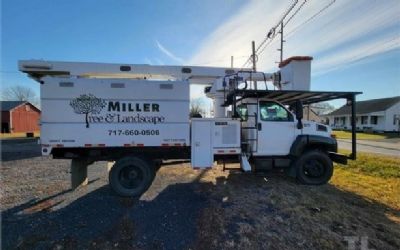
[
  {"x": 9, "y": 105},
  {"x": 369, "y": 106}
]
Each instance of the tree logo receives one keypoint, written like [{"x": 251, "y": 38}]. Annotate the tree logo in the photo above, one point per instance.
[{"x": 87, "y": 104}]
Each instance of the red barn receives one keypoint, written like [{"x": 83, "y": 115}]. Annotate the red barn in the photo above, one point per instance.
[{"x": 19, "y": 117}]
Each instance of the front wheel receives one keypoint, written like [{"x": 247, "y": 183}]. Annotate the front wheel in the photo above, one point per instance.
[
  {"x": 131, "y": 176},
  {"x": 314, "y": 168}
]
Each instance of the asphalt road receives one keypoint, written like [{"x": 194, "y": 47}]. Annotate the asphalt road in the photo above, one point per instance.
[
  {"x": 16, "y": 149},
  {"x": 389, "y": 147}
]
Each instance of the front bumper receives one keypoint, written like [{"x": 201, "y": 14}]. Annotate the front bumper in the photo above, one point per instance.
[{"x": 338, "y": 158}]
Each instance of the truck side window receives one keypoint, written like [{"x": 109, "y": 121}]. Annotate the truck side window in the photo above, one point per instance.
[
  {"x": 243, "y": 112},
  {"x": 271, "y": 111}
]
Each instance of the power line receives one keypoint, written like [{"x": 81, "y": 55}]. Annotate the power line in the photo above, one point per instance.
[
  {"x": 263, "y": 47},
  {"x": 312, "y": 17},
  {"x": 272, "y": 34},
  {"x": 303, "y": 23},
  {"x": 295, "y": 13}
]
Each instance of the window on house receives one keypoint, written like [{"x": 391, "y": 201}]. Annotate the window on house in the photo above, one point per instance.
[
  {"x": 343, "y": 120},
  {"x": 374, "y": 119},
  {"x": 27, "y": 108},
  {"x": 364, "y": 119}
]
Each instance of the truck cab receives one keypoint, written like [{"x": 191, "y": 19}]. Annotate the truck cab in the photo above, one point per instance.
[
  {"x": 275, "y": 135},
  {"x": 275, "y": 127}
]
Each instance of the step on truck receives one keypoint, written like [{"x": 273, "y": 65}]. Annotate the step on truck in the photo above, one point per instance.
[{"x": 137, "y": 116}]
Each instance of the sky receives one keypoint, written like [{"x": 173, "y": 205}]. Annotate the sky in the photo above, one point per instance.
[{"x": 355, "y": 43}]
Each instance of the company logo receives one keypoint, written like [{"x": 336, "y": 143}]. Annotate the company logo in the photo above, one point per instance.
[
  {"x": 116, "y": 111},
  {"x": 87, "y": 104}
]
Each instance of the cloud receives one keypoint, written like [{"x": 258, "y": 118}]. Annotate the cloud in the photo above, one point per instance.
[
  {"x": 345, "y": 33},
  {"x": 169, "y": 53}
]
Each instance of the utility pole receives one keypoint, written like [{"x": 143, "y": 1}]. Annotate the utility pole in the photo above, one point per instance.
[
  {"x": 282, "y": 41},
  {"x": 253, "y": 55}
]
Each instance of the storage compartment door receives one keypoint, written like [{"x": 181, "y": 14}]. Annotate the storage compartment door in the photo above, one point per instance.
[{"x": 202, "y": 154}]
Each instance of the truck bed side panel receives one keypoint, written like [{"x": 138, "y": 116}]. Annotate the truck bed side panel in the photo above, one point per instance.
[{"x": 114, "y": 112}]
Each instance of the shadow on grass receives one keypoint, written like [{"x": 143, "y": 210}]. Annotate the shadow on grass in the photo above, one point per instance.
[{"x": 181, "y": 216}]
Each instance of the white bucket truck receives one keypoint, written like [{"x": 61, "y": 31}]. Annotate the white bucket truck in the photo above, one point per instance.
[{"x": 138, "y": 115}]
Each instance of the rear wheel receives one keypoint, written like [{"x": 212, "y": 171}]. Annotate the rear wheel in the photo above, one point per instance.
[
  {"x": 314, "y": 168},
  {"x": 131, "y": 176}
]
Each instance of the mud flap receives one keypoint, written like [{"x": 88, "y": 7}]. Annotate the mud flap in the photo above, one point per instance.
[
  {"x": 338, "y": 158},
  {"x": 244, "y": 163}
]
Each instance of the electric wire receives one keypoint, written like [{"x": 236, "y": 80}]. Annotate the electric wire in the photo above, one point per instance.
[
  {"x": 312, "y": 17},
  {"x": 272, "y": 34}
]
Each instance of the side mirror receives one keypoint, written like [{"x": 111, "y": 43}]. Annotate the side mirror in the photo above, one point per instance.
[{"x": 299, "y": 114}]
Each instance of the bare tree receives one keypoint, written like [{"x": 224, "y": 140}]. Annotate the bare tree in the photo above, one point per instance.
[
  {"x": 196, "y": 108},
  {"x": 322, "y": 108},
  {"x": 87, "y": 104},
  {"x": 20, "y": 93}
]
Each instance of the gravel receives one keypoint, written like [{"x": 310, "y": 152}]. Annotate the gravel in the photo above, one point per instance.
[
  {"x": 183, "y": 209},
  {"x": 39, "y": 210}
]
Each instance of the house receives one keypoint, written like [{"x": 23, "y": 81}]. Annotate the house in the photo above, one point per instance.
[
  {"x": 19, "y": 117},
  {"x": 310, "y": 115},
  {"x": 380, "y": 115}
]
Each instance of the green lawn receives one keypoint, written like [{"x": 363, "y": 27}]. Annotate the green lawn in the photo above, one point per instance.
[
  {"x": 373, "y": 165},
  {"x": 373, "y": 176},
  {"x": 17, "y": 135},
  {"x": 364, "y": 136}
]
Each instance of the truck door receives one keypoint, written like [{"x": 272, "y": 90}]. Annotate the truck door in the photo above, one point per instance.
[{"x": 276, "y": 129}]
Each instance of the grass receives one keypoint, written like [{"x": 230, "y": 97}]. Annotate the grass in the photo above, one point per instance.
[
  {"x": 253, "y": 212},
  {"x": 373, "y": 176},
  {"x": 17, "y": 135},
  {"x": 364, "y": 136},
  {"x": 373, "y": 165}
]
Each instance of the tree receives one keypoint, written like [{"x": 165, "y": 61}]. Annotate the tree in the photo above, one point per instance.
[
  {"x": 196, "y": 108},
  {"x": 322, "y": 108},
  {"x": 20, "y": 93},
  {"x": 87, "y": 104}
]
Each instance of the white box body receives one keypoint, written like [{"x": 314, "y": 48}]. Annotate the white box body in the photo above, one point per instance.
[
  {"x": 201, "y": 141},
  {"x": 213, "y": 136},
  {"x": 86, "y": 112}
]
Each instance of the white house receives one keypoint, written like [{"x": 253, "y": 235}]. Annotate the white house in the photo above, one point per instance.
[{"x": 380, "y": 115}]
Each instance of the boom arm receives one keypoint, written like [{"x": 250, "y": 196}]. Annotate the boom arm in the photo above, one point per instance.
[{"x": 194, "y": 74}]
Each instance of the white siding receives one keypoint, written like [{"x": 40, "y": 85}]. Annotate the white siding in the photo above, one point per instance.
[{"x": 389, "y": 113}]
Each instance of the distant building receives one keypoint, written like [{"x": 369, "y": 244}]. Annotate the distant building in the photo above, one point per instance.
[
  {"x": 380, "y": 115},
  {"x": 310, "y": 115},
  {"x": 19, "y": 117}
]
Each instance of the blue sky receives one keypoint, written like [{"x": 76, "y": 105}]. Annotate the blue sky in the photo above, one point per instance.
[{"x": 355, "y": 44}]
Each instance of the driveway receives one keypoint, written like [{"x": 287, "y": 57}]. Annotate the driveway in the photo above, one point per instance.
[{"x": 386, "y": 147}]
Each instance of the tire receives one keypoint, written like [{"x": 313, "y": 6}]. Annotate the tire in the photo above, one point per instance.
[
  {"x": 314, "y": 168},
  {"x": 131, "y": 176}
]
